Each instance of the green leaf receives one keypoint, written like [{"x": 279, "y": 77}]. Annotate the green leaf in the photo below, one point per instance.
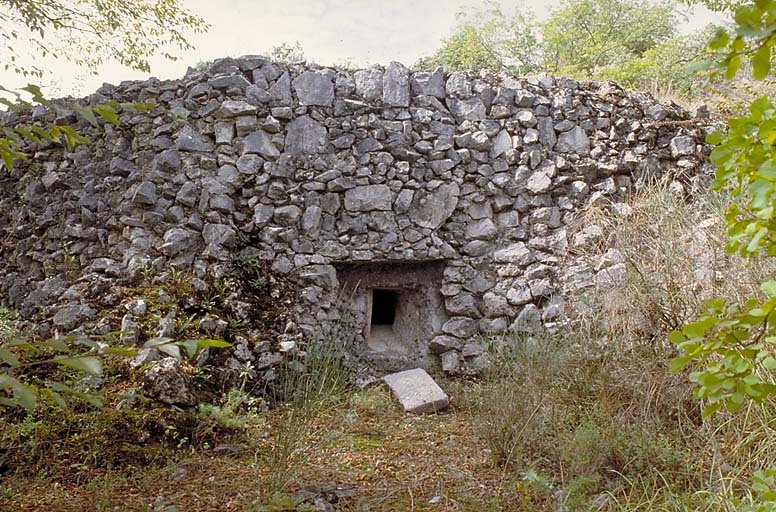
[
  {"x": 733, "y": 65},
  {"x": 58, "y": 345},
  {"x": 121, "y": 351},
  {"x": 720, "y": 40},
  {"x": 710, "y": 409},
  {"x": 677, "y": 364},
  {"x": 37, "y": 95},
  {"x": 191, "y": 347},
  {"x": 86, "y": 364},
  {"x": 715, "y": 138},
  {"x": 87, "y": 113},
  {"x": 769, "y": 363},
  {"x": 155, "y": 342},
  {"x": 676, "y": 337},
  {"x": 698, "y": 328},
  {"x": 170, "y": 349},
  {"x": 769, "y": 288},
  {"x": 107, "y": 113},
  {"x": 23, "y": 395},
  {"x": 204, "y": 343},
  {"x": 761, "y": 62},
  {"x": 8, "y": 357}
]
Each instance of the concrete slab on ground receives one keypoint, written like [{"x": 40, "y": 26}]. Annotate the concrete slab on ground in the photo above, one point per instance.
[{"x": 416, "y": 391}]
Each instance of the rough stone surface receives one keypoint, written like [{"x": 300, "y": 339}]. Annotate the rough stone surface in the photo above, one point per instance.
[
  {"x": 305, "y": 136},
  {"x": 396, "y": 85},
  {"x": 458, "y": 194},
  {"x": 368, "y": 198},
  {"x": 166, "y": 381},
  {"x": 313, "y": 88},
  {"x": 416, "y": 391}
]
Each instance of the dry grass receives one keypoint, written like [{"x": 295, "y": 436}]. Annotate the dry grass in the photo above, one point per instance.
[{"x": 393, "y": 461}]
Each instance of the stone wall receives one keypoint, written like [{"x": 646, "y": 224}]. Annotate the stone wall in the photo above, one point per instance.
[{"x": 314, "y": 170}]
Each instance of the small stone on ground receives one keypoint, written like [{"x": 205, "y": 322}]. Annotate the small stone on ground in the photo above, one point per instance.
[{"x": 416, "y": 391}]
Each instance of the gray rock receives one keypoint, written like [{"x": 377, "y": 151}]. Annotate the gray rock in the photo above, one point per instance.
[
  {"x": 396, "y": 85},
  {"x": 227, "y": 81},
  {"x": 224, "y": 132},
  {"x": 233, "y": 108},
  {"x": 517, "y": 253},
  {"x": 430, "y": 84},
  {"x": 259, "y": 142},
  {"x": 526, "y": 118},
  {"x": 368, "y": 198},
  {"x": 249, "y": 164},
  {"x": 472, "y": 109},
  {"x": 189, "y": 139},
  {"x": 130, "y": 330},
  {"x": 167, "y": 382},
  {"x": 431, "y": 209},
  {"x": 305, "y": 137},
  {"x": 451, "y": 362},
  {"x": 462, "y": 304},
  {"x": 682, "y": 146},
  {"x": 502, "y": 143},
  {"x": 187, "y": 195},
  {"x": 460, "y": 327},
  {"x": 219, "y": 234},
  {"x": 137, "y": 307},
  {"x": 287, "y": 215},
  {"x": 547, "y": 135},
  {"x": 311, "y": 220},
  {"x": 369, "y": 83},
  {"x": 441, "y": 344},
  {"x": 539, "y": 183},
  {"x": 416, "y": 391},
  {"x": 145, "y": 193},
  {"x": 177, "y": 240},
  {"x": 314, "y": 88},
  {"x": 483, "y": 229},
  {"x": 168, "y": 160},
  {"x": 70, "y": 317},
  {"x": 458, "y": 84},
  {"x": 494, "y": 305},
  {"x": 529, "y": 320},
  {"x": 573, "y": 141},
  {"x": 280, "y": 92}
]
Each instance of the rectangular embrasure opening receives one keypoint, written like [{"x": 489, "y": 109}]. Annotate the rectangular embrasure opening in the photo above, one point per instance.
[{"x": 384, "y": 304}]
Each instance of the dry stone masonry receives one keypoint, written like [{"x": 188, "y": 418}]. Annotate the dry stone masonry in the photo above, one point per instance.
[{"x": 422, "y": 208}]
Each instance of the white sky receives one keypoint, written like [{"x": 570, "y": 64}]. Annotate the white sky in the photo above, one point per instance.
[{"x": 360, "y": 32}]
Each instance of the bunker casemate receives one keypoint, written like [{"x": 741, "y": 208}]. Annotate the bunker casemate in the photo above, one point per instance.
[{"x": 419, "y": 209}]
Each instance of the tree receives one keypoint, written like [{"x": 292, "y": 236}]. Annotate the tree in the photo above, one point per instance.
[
  {"x": 87, "y": 32},
  {"x": 673, "y": 67},
  {"x": 732, "y": 347},
  {"x": 585, "y": 36},
  {"x": 488, "y": 39}
]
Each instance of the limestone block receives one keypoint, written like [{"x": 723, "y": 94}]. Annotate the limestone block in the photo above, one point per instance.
[
  {"x": 416, "y": 391},
  {"x": 305, "y": 136},
  {"x": 368, "y": 198},
  {"x": 369, "y": 83},
  {"x": 314, "y": 88},
  {"x": 396, "y": 86},
  {"x": 573, "y": 141}
]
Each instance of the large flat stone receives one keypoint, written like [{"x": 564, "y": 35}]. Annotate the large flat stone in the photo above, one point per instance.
[{"x": 416, "y": 391}]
